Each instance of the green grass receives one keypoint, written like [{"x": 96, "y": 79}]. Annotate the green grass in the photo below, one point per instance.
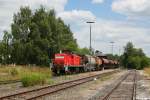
[
  {"x": 50, "y": 81},
  {"x": 14, "y": 72},
  {"x": 28, "y": 75},
  {"x": 105, "y": 78},
  {"x": 147, "y": 70},
  {"x": 32, "y": 79}
]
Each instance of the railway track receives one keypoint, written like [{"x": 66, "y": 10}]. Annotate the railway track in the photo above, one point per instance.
[
  {"x": 125, "y": 88},
  {"x": 40, "y": 92},
  {"x": 9, "y": 82}
]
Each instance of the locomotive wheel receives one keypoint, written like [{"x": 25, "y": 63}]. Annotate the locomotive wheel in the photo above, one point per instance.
[
  {"x": 54, "y": 72},
  {"x": 85, "y": 69}
]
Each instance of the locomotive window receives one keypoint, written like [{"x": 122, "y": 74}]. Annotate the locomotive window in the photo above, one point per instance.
[{"x": 60, "y": 57}]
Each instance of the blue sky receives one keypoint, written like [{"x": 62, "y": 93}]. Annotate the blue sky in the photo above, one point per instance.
[
  {"x": 100, "y": 10},
  {"x": 116, "y": 20}
]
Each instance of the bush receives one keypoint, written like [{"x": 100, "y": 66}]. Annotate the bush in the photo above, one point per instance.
[
  {"x": 147, "y": 70},
  {"x": 14, "y": 71},
  {"x": 33, "y": 79},
  {"x": 145, "y": 62}
]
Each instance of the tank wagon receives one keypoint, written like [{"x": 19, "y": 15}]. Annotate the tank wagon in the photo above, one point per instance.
[{"x": 68, "y": 62}]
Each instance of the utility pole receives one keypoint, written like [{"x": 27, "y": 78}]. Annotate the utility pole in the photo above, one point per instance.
[
  {"x": 119, "y": 56},
  {"x": 112, "y": 47},
  {"x": 119, "y": 51},
  {"x": 90, "y": 48}
]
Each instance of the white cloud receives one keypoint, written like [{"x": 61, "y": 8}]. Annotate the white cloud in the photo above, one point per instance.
[
  {"x": 97, "y": 1},
  {"x": 9, "y": 7},
  {"x": 104, "y": 31},
  {"x": 76, "y": 16},
  {"x": 132, "y": 8}
]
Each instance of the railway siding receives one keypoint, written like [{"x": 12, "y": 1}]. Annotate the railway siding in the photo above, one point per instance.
[
  {"x": 28, "y": 95},
  {"x": 123, "y": 89},
  {"x": 84, "y": 91},
  {"x": 7, "y": 89},
  {"x": 143, "y": 87}
]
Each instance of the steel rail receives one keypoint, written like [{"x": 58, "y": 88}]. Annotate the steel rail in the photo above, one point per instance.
[
  {"x": 40, "y": 95},
  {"x": 106, "y": 97},
  {"x": 134, "y": 87},
  {"x": 87, "y": 79}
]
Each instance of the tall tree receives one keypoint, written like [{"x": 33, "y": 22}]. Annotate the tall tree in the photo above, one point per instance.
[
  {"x": 134, "y": 57},
  {"x": 35, "y": 33},
  {"x": 5, "y": 47}
]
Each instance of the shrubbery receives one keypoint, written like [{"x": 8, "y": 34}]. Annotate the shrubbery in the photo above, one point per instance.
[
  {"x": 14, "y": 71},
  {"x": 35, "y": 37},
  {"x": 28, "y": 75},
  {"x": 147, "y": 70},
  {"x": 31, "y": 79},
  {"x": 134, "y": 57}
]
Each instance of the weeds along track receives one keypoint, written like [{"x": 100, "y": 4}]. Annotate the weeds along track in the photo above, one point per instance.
[
  {"x": 125, "y": 88},
  {"x": 37, "y": 93}
]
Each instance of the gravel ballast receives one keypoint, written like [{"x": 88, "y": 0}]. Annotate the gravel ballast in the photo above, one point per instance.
[
  {"x": 84, "y": 91},
  {"x": 17, "y": 87}
]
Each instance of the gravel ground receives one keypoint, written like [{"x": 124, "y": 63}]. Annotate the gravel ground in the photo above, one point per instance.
[
  {"x": 65, "y": 78},
  {"x": 16, "y": 87},
  {"x": 9, "y": 87},
  {"x": 84, "y": 91},
  {"x": 143, "y": 87}
]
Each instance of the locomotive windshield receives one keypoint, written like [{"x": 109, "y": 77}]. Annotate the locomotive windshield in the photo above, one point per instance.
[{"x": 59, "y": 57}]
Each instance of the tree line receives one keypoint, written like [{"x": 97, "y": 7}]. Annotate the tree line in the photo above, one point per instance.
[
  {"x": 134, "y": 58},
  {"x": 35, "y": 37}
]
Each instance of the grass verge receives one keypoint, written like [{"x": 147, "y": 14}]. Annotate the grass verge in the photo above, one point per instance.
[
  {"x": 32, "y": 79},
  {"x": 147, "y": 70},
  {"x": 29, "y": 75}
]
